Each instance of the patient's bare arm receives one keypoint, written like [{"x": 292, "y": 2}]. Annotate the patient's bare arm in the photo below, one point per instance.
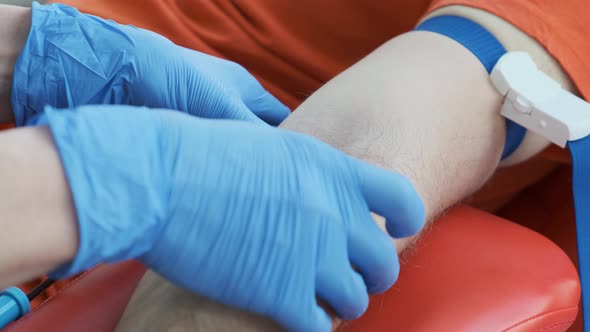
[
  {"x": 435, "y": 121},
  {"x": 421, "y": 105}
]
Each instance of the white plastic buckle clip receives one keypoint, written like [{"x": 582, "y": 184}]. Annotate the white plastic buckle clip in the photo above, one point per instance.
[{"x": 537, "y": 102}]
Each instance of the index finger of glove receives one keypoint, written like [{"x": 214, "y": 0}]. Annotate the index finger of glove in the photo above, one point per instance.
[{"x": 392, "y": 196}]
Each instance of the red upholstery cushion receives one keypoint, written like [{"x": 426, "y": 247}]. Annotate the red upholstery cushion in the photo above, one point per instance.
[
  {"x": 477, "y": 272},
  {"x": 94, "y": 302},
  {"x": 471, "y": 272}
]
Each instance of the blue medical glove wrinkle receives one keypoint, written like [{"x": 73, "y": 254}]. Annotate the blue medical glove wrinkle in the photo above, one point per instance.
[
  {"x": 72, "y": 59},
  {"x": 252, "y": 216}
]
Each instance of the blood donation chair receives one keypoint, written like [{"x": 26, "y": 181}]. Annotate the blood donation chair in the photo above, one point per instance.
[{"x": 471, "y": 271}]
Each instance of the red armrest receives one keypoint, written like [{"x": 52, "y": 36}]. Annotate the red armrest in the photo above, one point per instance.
[
  {"x": 94, "y": 302},
  {"x": 471, "y": 272},
  {"x": 476, "y": 272}
]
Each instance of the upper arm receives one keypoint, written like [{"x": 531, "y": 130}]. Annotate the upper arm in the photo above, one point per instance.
[{"x": 532, "y": 41}]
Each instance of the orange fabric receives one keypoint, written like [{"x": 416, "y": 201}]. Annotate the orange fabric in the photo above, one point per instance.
[
  {"x": 561, "y": 27},
  {"x": 293, "y": 47}
]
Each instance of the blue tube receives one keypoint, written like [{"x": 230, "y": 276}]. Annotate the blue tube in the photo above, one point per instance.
[{"x": 13, "y": 305}]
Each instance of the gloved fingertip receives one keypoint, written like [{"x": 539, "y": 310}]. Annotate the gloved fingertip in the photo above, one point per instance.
[
  {"x": 362, "y": 300},
  {"x": 393, "y": 196},
  {"x": 322, "y": 321},
  {"x": 237, "y": 111},
  {"x": 405, "y": 225},
  {"x": 276, "y": 115},
  {"x": 268, "y": 108},
  {"x": 387, "y": 279},
  {"x": 409, "y": 217}
]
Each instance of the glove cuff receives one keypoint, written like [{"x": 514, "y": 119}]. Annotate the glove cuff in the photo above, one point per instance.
[
  {"x": 113, "y": 165},
  {"x": 69, "y": 59}
]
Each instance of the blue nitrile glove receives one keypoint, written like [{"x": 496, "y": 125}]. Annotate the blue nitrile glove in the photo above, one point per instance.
[
  {"x": 72, "y": 59},
  {"x": 252, "y": 216}
]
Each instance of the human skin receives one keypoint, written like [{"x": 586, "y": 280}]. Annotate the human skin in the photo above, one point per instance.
[
  {"x": 448, "y": 144},
  {"x": 360, "y": 124}
]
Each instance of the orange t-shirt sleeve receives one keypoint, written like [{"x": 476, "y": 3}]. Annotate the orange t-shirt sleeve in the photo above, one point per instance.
[{"x": 559, "y": 26}]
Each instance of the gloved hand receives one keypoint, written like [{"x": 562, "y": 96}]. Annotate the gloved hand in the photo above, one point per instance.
[
  {"x": 252, "y": 216},
  {"x": 72, "y": 59}
]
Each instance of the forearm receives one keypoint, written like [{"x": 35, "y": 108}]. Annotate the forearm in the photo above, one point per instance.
[
  {"x": 421, "y": 105},
  {"x": 441, "y": 130},
  {"x": 38, "y": 220},
  {"x": 15, "y": 24}
]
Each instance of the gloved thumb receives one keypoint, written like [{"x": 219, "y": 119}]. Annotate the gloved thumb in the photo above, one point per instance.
[
  {"x": 392, "y": 196},
  {"x": 265, "y": 106}
]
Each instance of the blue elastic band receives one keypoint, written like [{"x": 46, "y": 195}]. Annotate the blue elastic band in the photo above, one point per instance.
[
  {"x": 489, "y": 50},
  {"x": 486, "y": 48},
  {"x": 580, "y": 152}
]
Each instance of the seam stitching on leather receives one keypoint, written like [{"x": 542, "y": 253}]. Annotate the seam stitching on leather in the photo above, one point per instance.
[
  {"x": 541, "y": 316},
  {"x": 551, "y": 327}
]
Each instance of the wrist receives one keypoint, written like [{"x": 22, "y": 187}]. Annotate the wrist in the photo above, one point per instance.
[
  {"x": 121, "y": 208},
  {"x": 15, "y": 24},
  {"x": 72, "y": 59}
]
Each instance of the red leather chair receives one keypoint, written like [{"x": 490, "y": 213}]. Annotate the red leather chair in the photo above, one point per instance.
[
  {"x": 477, "y": 272},
  {"x": 471, "y": 271}
]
